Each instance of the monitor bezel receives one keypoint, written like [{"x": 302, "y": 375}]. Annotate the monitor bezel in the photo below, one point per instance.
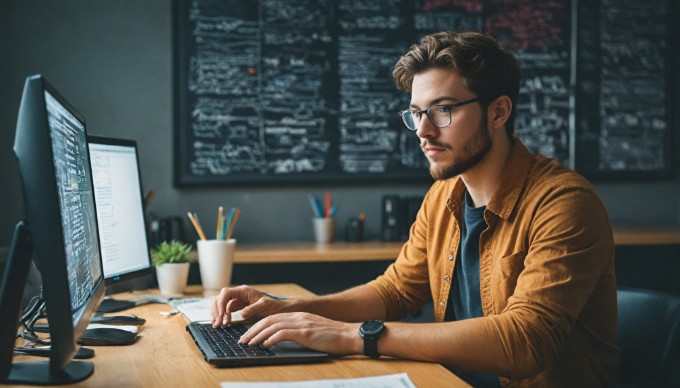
[
  {"x": 120, "y": 278},
  {"x": 33, "y": 148}
]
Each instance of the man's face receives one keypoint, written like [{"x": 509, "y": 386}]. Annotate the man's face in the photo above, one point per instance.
[{"x": 461, "y": 145}]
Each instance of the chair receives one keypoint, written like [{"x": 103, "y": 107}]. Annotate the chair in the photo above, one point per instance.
[{"x": 649, "y": 338}]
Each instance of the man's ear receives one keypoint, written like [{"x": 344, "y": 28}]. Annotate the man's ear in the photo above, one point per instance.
[{"x": 499, "y": 112}]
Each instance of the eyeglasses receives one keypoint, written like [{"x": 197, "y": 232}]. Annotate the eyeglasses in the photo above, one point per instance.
[{"x": 439, "y": 115}]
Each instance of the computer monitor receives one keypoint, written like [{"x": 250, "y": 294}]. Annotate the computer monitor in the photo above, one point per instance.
[
  {"x": 120, "y": 213},
  {"x": 60, "y": 231}
]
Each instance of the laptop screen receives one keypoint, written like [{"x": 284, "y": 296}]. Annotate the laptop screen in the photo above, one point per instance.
[{"x": 119, "y": 203}]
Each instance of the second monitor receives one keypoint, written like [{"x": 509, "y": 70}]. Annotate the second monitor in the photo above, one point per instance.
[{"x": 120, "y": 213}]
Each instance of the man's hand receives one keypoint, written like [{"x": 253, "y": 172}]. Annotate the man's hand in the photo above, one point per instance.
[
  {"x": 252, "y": 302},
  {"x": 312, "y": 331}
]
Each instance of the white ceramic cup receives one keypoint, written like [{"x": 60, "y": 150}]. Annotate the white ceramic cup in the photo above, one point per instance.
[
  {"x": 324, "y": 229},
  {"x": 216, "y": 262}
]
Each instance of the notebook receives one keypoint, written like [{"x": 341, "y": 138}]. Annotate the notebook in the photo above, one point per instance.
[{"x": 220, "y": 347}]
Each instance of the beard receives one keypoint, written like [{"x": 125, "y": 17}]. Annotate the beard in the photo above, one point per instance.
[{"x": 471, "y": 154}]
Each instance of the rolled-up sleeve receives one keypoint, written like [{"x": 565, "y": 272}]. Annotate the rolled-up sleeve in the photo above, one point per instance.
[{"x": 405, "y": 286}]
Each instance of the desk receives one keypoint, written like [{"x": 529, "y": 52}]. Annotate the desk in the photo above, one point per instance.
[
  {"x": 647, "y": 235},
  {"x": 166, "y": 356},
  {"x": 312, "y": 252},
  {"x": 308, "y": 252}
]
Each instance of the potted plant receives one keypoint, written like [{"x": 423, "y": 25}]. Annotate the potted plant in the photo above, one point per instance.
[{"x": 172, "y": 260}]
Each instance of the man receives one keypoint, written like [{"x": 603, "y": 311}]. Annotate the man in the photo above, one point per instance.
[{"x": 515, "y": 250}]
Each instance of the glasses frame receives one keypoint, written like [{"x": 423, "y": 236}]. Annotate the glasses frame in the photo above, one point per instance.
[{"x": 451, "y": 107}]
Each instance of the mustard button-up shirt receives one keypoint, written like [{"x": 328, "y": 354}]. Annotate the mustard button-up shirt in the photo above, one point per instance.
[{"x": 547, "y": 279}]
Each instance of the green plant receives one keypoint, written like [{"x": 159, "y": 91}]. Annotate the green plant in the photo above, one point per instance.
[{"x": 172, "y": 252}]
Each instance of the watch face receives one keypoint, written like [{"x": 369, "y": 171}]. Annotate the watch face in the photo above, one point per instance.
[{"x": 372, "y": 327}]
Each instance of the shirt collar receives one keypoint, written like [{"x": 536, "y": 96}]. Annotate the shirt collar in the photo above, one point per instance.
[
  {"x": 515, "y": 173},
  {"x": 513, "y": 178}
]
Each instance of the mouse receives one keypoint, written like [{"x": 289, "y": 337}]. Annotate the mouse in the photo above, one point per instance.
[
  {"x": 83, "y": 353},
  {"x": 107, "y": 337}
]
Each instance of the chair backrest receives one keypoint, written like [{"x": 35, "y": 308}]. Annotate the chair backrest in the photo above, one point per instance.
[{"x": 649, "y": 338}]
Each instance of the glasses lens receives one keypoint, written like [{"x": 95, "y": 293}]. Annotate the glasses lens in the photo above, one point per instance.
[
  {"x": 439, "y": 115},
  {"x": 410, "y": 119}
]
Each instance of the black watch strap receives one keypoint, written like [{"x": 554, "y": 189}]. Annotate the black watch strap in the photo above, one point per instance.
[
  {"x": 370, "y": 331},
  {"x": 371, "y": 346}
]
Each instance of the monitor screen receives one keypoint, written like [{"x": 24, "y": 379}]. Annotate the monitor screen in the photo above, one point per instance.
[
  {"x": 59, "y": 233},
  {"x": 120, "y": 210},
  {"x": 76, "y": 203}
]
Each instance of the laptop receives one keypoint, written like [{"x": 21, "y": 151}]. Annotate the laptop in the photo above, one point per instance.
[{"x": 220, "y": 347}]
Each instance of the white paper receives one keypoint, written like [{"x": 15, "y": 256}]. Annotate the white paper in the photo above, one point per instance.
[
  {"x": 198, "y": 309},
  {"x": 400, "y": 380}
]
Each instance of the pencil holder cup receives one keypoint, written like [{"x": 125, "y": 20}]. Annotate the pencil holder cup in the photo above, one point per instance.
[
  {"x": 324, "y": 229},
  {"x": 216, "y": 262}
]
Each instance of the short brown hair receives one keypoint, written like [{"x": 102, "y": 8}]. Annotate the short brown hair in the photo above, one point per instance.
[{"x": 489, "y": 69}]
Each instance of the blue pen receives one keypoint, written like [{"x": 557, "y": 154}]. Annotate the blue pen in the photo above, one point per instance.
[
  {"x": 318, "y": 209},
  {"x": 312, "y": 203}
]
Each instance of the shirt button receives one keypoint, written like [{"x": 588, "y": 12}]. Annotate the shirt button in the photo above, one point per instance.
[
  {"x": 441, "y": 303},
  {"x": 450, "y": 257},
  {"x": 447, "y": 278}
]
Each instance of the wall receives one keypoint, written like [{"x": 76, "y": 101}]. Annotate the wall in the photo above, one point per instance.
[{"x": 113, "y": 61}]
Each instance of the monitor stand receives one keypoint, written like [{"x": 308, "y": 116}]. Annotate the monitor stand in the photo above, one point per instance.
[
  {"x": 81, "y": 353},
  {"x": 39, "y": 373},
  {"x": 11, "y": 292}
]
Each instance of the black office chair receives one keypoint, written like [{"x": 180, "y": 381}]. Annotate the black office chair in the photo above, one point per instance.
[{"x": 649, "y": 338}]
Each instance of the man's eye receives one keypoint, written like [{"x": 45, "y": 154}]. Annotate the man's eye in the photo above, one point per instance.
[
  {"x": 442, "y": 109},
  {"x": 415, "y": 115}
]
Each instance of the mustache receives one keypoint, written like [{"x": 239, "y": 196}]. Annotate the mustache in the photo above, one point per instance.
[{"x": 430, "y": 143}]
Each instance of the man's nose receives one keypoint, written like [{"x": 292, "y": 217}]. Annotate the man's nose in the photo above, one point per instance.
[{"x": 426, "y": 128}]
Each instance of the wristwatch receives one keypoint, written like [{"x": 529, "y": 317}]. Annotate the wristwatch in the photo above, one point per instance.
[{"x": 370, "y": 331}]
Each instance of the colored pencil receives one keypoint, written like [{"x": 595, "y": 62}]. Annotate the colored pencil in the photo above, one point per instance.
[
  {"x": 232, "y": 223},
  {"x": 223, "y": 232},
  {"x": 218, "y": 228},
  {"x": 328, "y": 205},
  {"x": 148, "y": 199},
  {"x": 197, "y": 226}
]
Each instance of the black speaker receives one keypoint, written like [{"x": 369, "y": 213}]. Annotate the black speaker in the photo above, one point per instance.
[
  {"x": 391, "y": 218},
  {"x": 165, "y": 229},
  {"x": 409, "y": 211}
]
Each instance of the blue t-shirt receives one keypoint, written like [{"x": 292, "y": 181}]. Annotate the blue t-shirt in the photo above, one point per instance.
[{"x": 465, "y": 298}]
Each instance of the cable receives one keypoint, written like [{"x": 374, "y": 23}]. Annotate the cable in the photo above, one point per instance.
[{"x": 35, "y": 310}]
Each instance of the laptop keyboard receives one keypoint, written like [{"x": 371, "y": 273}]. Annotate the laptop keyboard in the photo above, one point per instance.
[{"x": 224, "y": 341}]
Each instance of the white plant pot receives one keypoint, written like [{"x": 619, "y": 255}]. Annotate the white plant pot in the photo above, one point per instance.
[{"x": 172, "y": 278}]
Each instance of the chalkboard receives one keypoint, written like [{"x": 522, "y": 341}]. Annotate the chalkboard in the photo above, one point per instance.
[
  {"x": 624, "y": 81},
  {"x": 274, "y": 91}
]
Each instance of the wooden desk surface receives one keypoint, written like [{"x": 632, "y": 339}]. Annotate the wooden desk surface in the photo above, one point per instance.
[
  {"x": 646, "y": 235},
  {"x": 166, "y": 356},
  {"x": 309, "y": 252}
]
